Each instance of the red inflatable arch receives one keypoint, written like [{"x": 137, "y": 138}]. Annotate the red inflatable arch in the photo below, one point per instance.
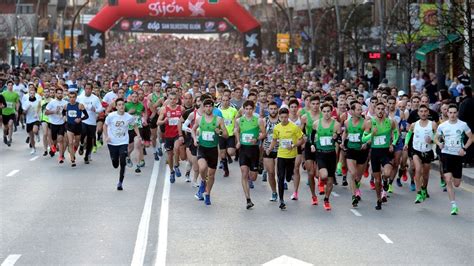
[{"x": 229, "y": 9}]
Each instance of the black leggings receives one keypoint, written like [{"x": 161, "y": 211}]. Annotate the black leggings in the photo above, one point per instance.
[
  {"x": 285, "y": 168},
  {"x": 89, "y": 132},
  {"x": 118, "y": 154}
]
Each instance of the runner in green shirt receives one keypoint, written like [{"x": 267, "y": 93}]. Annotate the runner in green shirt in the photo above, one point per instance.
[
  {"x": 12, "y": 100},
  {"x": 227, "y": 146},
  {"x": 137, "y": 110}
]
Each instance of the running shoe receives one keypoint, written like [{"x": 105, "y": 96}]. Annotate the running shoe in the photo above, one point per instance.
[
  {"x": 129, "y": 162},
  {"x": 366, "y": 172},
  {"x": 442, "y": 184},
  {"x": 33, "y": 151},
  {"x": 221, "y": 165},
  {"x": 274, "y": 196},
  {"x": 285, "y": 186},
  {"x": 454, "y": 210},
  {"x": 119, "y": 186},
  {"x": 424, "y": 191},
  {"x": 419, "y": 198},
  {"x": 137, "y": 170},
  {"x": 51, "y": 153},
  {"x": 5, "y": 140},
  {"x": 327, "y": 205},
  {"x": 94, "y": 149},
  {"x": 141, "y": 163},
  {"x": 372, "y": 184},
  {"x": 390, "y": 188},
  {"x": 282, "y": 205},
  {"x": 314, "y": 200},
  {"x": 358, "y": 194},
  {"x": 199, "y": 193},
  {"x": 229, "y": 159},
  {"x": 339, "y": 168},
  {"x": 335, "y": 181},
  {"x": 226, "y": 172},
  {"x": 195, "y": 184},
  {"x": 177, "y": 171},
  {"x": 264, "y": 176},
  {"x": 405, "y": 176},
  {"x": 355, "y": 202},
  {"x": 378, "y": 207},
  {"x": 27, "y": 140},
  {"x": 81, "y": 149},
  {"x": 249, "y": 204},
  {"x": 38, "y": 138},
  {"x": 157, "y": 158},
  {"x": 98, "y": 144},
  {"x": 61, "y": 159},
  {"x": 384, "y": 196},
  {"x": 321, "y": 188},
  {"x": 45, "y": 153},
  {"x": 172, "y": 178},
  {"x": 87, "y": 160},
  {"x": 294, "y": 196},
  {"x": 53, "y": 149},
  {"x": 412, "y": 186},
  {"x": 160, "y": 152},
  {"x": 144, "y": 151},
  {"x": 251, "y": 185},
  {"x": 207, "y": 199},
  {"x": 73, "y": 163},
  {"x": 344, "y": 181},
  {"x": 399, "y": 182},
  {"x": 187, "y": 177}
]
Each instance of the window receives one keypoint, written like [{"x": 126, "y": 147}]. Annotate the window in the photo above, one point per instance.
[{"x": 25, "y": 9}]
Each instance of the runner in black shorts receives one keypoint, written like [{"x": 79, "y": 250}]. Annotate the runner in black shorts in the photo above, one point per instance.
[{"x": 269, "y": 158}]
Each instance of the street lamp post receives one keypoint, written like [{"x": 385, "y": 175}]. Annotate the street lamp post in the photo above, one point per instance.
[
  {"x": 383, "y": 41},
  {"x": 72, "y": 27},
  {"x": 340, "y": 51},
  {"x": 34, "y": 32}
]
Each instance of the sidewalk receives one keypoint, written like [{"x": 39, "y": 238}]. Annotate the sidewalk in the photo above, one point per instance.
[{"x": 467, "y": 173}]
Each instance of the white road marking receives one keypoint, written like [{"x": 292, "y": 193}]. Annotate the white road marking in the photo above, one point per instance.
[
  {"x": 386, "y": 239},
  {"x": 142, "y": 234},
  {"x": 11, "y": 260},
  {"x": 34, "y": 158},
  {"x": 334, "y": 194},
  {"x": 163, "y": 228},
  {"x": 286, "y": 260},
  {"x": 355, "y": 212},
  {"x": 13, "y": 172}
]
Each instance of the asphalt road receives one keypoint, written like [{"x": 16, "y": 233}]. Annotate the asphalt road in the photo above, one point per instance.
[{"x": 54, "y": 214}]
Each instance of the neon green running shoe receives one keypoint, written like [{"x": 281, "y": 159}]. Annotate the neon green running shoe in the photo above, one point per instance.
[
  {"x": 98, "y": 144},
  {"x": 339, "y": 168},
  {"x": 442, "y": 183},
  {"x": 357, "y": 184},
  {"x": 419, "y": 198},
  {"x": 390, "y": 188},
  {"x": 454, "y": 210},
  {"x": 94, "y": 149},
  {"x": 424, "y": 193}
]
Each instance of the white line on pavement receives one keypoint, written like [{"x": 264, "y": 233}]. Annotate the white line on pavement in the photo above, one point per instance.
[
  {"x": 13, "y": 172},
  {"x": 334, "y": 194},
  {"x": 386, "y": 239},
  {"x": 11, "y": 260},
  {"x": 34, "y": 158},
  {"x": 356, "y": 213},
  {"x": 163, "y": 228},
  {"x": 142, "y": 234}
]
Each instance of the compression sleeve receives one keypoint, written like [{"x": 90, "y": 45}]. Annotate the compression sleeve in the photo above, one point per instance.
[
  {"x": 86, "y": 115},
  {"x": 396, "y": 135},
  {"x": 407, "y": 139},
  {"x": 366, "y": 137}
]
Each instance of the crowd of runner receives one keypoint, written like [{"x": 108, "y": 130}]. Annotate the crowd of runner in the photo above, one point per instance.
[{"x": 207, "y": 107}]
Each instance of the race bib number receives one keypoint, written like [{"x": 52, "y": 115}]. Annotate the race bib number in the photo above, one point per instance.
[
  {"x": 286, "y": 143},
  {"x": 452, "y": 143},
  {"x": 173, "y": 121},
  {"x": 72, "y": 113},
  {"x": 9, "y": 105},
  {"x": 139, "y": 121},
  {"x": 247, "y": 138},
  {"x": 354, "y": 137},
  {"x": 380, "y": 140},
  {"x": 208, "y": 135},
  {"x": 227, "y": 122},
  {"x": 325, "y": 141},
  {"x": 119, "y": 133}
]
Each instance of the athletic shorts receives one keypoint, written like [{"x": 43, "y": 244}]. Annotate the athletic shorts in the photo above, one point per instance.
[
  {"x": 117, "y": 150},
  {"x": 189, "y": 143},
  {"x": 146, "y": 133},
  {"x": 300, "y": 150},
  {"x": 226, "y": 143},
  {"x": 169, "y": 143},
  {"x": 211, "y": 155},
  {"x": 308, "y": 155},
  {"x": 328, "y": 161},
  {"x": 7, "y": 118},
  {"x": 399, "y": 146},
  {"x": 74, "y": 128},
  {"x": 452, "y": 164},
  {"x": 153, "y": 122},
  {"x": 29, "y": 127},
  {"x": 272, "y": 155},
  {"x": 131, "y": 136},
  {"x": 57, "y": 130},
  {"x": 426, "y": 157},
  {"x": 360, "y": 156},
  {"x": 379, "y": 157},
  {"x": 249, "y": 156}
]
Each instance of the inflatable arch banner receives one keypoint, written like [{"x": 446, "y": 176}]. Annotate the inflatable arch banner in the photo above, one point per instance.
[{"x": 155, "y": 9}]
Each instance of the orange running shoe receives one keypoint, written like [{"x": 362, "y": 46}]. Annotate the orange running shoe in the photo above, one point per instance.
[
  {"x": 327, "y": 205},
  {"x": 314, "y": 200}
]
